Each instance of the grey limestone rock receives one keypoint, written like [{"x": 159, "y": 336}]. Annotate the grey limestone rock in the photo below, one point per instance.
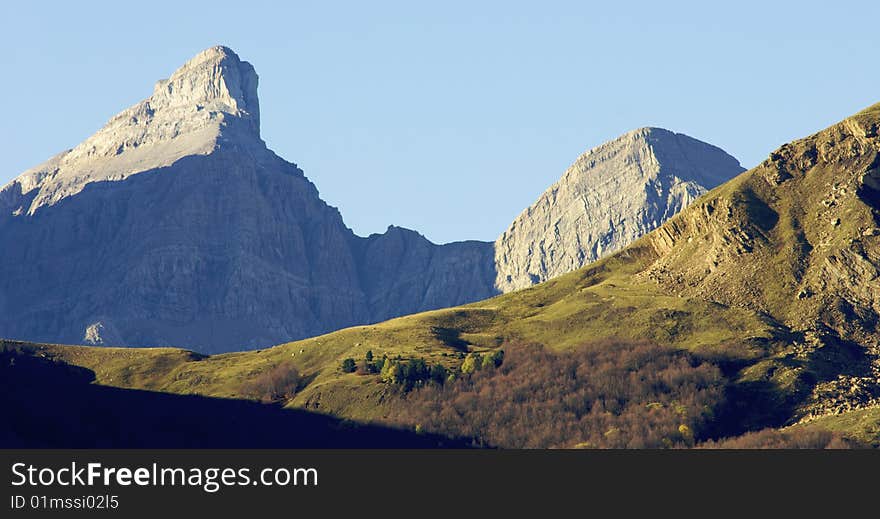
[{"x": 609, "y": 197}]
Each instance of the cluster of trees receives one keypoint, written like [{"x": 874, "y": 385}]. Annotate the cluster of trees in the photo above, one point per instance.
[
  {"x": 412, "y": 373},
  {"x": 609, "y": 394},
  {"x": 416, "y": 372},
  {"x": 476, "y": 362},
  {"x": 369, "y": 364},
  {"x": 275, "y": 385}
]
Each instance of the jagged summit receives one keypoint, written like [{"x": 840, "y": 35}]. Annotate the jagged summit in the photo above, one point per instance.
[
  {"x": 215, "y": 80},
  {"x": 211, "y": 99},
  {"x": 611, "y": 195}
]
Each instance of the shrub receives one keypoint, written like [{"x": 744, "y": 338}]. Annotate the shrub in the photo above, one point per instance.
[{"x": 274, "y": 385}]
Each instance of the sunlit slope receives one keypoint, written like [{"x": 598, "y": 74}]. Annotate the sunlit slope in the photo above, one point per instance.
[{"x": 861, "y": 424}]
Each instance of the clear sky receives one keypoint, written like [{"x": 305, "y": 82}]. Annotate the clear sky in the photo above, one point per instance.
[{"x": 448, "y": 118}]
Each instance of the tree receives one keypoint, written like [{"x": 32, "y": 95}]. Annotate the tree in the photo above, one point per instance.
[
  {"x": 493, "y": 359},
  {"x": 473, "y": 362},
  {"x": 392, "y": 372},
  {"x": 416, "y": 370},
  {"x": 438, "y": 374},
  {"x": 349, "y": 365},
  {"x": 369, "y": 356}
]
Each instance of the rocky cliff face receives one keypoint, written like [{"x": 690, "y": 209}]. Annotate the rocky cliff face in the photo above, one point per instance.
[
  {"x": 175, "y": 225},
  {"x": 400, "y": 268},
  {"x": 609, "y": 197}
]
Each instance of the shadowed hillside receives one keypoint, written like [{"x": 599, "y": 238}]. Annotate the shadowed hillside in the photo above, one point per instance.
[{"x": 47, "y": 404}]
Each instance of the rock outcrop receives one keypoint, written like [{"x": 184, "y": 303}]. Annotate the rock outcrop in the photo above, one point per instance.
[{"x": 609, "y": 197}]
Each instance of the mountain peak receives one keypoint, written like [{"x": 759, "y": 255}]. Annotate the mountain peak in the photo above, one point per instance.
[
  {"x": 612, "y": 194},
  {"x": 213, "y": 93},
  {"x": 211, "y": 99},
  {"x": 215, "y": 79},
  {"x": 679, "y": 154}
]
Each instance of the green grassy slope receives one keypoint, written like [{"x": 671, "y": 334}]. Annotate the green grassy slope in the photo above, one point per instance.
[{"x": 861, "y": 424}]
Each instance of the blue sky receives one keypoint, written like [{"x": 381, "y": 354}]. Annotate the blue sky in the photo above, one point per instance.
[{"x": 450, "y": 117}]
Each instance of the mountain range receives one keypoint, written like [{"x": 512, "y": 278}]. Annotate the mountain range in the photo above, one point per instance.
[
  {"x": 752, "y": 312},
  {"x": 175, "y": 225}
]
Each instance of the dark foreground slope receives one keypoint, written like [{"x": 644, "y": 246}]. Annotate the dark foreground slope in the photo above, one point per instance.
[{"x": 46, "y": 404}]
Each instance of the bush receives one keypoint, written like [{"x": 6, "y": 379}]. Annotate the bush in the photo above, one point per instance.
[
  {"x": 274, "y": 385},
  {"x": 603, "y": 395}
]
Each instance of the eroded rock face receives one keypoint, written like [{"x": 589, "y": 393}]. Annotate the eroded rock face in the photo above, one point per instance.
[
  {"x": 402, "y": 268},
  {"x": 175, "y": 225},
  {"x": 609, "y": 197}
]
